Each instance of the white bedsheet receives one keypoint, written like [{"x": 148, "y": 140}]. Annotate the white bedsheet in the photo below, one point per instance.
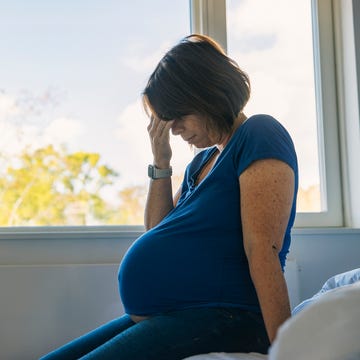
[{"x": 229, "y": 356}]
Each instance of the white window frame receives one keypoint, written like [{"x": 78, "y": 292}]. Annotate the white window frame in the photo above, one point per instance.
[
  {"x": 327, "y": 115},
  {"x": 347, "y": 40}
]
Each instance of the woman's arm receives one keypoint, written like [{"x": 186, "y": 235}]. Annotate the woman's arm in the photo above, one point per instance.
[
  {"x": 159, "y": 199},
  {"x": 267, "y": 189}
]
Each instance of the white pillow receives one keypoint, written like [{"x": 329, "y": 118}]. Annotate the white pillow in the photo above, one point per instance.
[{"x": 328, "y": 329}]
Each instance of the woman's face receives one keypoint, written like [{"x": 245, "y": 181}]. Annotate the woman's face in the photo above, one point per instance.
[{"x": 192, "y": 128}]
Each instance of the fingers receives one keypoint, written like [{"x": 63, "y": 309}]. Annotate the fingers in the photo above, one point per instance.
[
  {"x": 159, "y": 128},
  {"x": 159, "y": 133}
]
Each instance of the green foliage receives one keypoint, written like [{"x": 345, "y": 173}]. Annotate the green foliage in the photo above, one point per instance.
[{"x": 52, "y": 187}]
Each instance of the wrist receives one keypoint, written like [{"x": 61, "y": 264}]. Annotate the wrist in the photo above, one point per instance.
[
  {"x": 162, "y": 164},
  {"x": 156, "y": 173}
]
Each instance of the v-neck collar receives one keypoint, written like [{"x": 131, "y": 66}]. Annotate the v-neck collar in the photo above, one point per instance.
[{"x": 209, "y": 154}]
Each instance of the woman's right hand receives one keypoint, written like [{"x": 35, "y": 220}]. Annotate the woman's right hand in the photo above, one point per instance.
[{"x": 159, "y": 132}]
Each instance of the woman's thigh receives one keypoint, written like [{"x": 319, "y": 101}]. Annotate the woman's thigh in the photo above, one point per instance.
[
  {"x": 179, "y": 334},
  {"x": 88, "y": 342}
]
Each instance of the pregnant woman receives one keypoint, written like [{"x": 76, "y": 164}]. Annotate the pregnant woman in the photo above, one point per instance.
[{"x": 207, "y": 275}]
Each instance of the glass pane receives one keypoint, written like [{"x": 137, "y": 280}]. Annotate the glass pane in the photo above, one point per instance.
[
  {"x": 272, "y": 41},
  {"x": 74, "y": 148}
]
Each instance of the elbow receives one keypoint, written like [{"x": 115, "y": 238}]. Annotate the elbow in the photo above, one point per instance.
[
  {"x": 259, "y": 257},
  {"x": 148, "y": 224},
  {"x": 148, "y": 227}
]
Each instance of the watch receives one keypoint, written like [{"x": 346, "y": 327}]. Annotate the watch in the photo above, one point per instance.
[{"x": 155, "y": 173}]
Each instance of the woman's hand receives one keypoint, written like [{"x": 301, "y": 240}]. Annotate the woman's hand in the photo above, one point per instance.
[
  {"x": 159, "y": 200},
  {"x": 159, "y": 132}
]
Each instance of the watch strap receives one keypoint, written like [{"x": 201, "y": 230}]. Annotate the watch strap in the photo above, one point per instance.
[{"x": 156, "y": 173}]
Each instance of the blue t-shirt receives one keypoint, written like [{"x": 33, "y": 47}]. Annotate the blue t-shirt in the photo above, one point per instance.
[{"x": 195, "y": 257}]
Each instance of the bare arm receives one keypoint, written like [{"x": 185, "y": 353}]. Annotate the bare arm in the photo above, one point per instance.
[
  {"x": 160, "y": 198},
  {"x": 267, "y": 189}
]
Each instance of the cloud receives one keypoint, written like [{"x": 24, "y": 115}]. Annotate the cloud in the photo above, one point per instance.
[
  {"x": 8, "y": 107},
  {"x": 266, "y": 17},
  {"x": 279, "y": 61},
  {"x": 16, "y": 136},
  {"x": 143, "y": 61},
  {"x": 274, "y": 43},
  {"x": 62, "y": 130}
]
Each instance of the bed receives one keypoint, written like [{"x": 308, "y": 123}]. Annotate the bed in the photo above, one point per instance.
[{"x": 323, "y": 327}]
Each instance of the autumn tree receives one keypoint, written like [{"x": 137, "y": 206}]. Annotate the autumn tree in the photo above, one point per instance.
[
  {"x": 52, "y": 187},
  {"x": 130, "y": 210}
]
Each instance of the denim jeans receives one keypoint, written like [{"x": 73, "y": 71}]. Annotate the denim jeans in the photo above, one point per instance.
[{"x": 170, "y": 336}]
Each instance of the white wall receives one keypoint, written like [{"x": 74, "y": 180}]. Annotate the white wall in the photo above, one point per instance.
[
  {"x": 56, "y": 288},
  {"x": 45, "y": 306},
  {"x": 321, "y": 253}
]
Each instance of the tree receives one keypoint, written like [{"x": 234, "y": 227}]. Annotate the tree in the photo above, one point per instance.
[
  {"x": 53, "y": 187},
  {"x": 132, "y": 203},
  {"x": 131, "y": 208}
]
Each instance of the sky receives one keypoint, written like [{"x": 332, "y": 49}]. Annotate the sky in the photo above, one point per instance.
[
  {"x": 72, "y": 73},
  {"x": 277, "y": 52}
]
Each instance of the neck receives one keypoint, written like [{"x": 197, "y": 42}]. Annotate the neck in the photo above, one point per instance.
[{"x": 237, "y": 122}]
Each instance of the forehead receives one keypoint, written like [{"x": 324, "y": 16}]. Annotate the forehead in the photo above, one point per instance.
[{"x": 193, "y": 118}]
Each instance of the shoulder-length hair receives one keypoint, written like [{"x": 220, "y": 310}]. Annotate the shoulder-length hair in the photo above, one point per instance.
[{"x": 197, "y": 77}]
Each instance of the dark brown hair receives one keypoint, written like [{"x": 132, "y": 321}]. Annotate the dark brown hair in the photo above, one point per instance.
[{"x": 196, "y": 77}]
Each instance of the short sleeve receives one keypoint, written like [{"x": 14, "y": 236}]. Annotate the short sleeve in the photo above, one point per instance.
[{"x": 263, "y": 137}]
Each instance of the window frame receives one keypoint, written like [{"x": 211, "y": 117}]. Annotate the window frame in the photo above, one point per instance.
[
  {"x": 347, "y": 45},
  {"x": 327, "y": 116}
]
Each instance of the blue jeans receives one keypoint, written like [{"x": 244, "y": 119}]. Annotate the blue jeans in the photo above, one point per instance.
[{"x": 170, "y": 336}]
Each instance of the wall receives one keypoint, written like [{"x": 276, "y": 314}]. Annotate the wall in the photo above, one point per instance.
[
  {"x": 321, "y": 253},
  {"x": 56, "y": 286},
  {"x": 45, "y": 306}
]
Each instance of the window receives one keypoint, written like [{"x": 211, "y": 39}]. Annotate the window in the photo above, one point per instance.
[
  {"x": 290, "y": 61},
  {"x": 76, "y": 148},
  {"x": 277, "y": 53}
]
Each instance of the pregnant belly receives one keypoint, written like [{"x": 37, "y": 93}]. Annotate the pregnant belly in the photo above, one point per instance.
[{"x": 163, "y": 273}]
